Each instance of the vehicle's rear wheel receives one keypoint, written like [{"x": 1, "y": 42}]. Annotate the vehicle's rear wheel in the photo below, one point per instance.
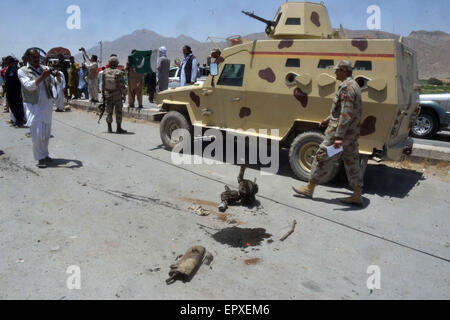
[
  {"x": 172, "y": 121},
  {"x": 426, "y": 125},
  {"x": 301, "y": 156}
]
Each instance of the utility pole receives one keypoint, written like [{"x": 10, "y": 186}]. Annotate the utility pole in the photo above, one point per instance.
[{"x": 101, "y": 53}]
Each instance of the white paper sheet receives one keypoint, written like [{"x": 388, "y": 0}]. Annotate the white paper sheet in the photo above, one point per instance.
[{"x": 332, "y": 151}]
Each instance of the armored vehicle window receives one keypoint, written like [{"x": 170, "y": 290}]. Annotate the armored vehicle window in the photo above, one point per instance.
[
  {"x": 232, "y": 75},
  {"x": 294, "y": 63},
  {"x": 293, "y": 21},
  {"x": 326, "y": 64},
  {"x": 363, "y": 65}
]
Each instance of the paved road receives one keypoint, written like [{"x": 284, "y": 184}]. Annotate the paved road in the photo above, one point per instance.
[
  {"x": 117, "y": 207},
  {"x": 442, "y": 139}
]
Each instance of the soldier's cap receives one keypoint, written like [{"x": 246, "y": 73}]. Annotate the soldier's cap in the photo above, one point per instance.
[
  {"x": 344, "y": 64},
  {"x": 113, "y": 61}
]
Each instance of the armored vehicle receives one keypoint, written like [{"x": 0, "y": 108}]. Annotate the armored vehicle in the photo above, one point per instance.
[{"x": 287, "y": 82}]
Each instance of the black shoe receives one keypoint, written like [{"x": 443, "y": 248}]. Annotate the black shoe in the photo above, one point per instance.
[
  {"x": 48, "y": 160},
  {"x": 110, "y": 128},
  {"x": 120, "y": 130},
  {"x": 41, "y": 164},
  {"x": 140, "y": 107}
]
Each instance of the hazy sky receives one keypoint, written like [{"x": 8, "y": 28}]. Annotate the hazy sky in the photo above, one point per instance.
[{"x": 42, "y": 23}]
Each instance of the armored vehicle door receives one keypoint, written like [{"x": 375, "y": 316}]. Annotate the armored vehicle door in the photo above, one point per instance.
[
  {"x": 231, "y": 89},
  {"x": 231, "y": 86}
]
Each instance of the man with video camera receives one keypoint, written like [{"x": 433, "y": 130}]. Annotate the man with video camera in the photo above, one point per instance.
[{"x": 37, "y": 90}]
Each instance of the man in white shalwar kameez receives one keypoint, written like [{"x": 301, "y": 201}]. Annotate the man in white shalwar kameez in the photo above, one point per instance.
[
  {"x": 60, "y": 85},
  {"x": 37, "y": 83}
]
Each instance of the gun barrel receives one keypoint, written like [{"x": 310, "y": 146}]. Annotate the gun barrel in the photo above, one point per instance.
[{"x": 252, "y": 15}]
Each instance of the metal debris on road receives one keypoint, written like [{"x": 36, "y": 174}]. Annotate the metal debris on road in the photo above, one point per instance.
[
  {"x": 186, "y": 267},
  {"x": 208, "y": 258},
  {"x": 199, "y": 210},
  {"x": 155, "y": 268},
  {"x": 290, "y": 231}
]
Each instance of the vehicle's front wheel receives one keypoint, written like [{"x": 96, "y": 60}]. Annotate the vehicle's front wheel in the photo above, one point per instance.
[
  {"x": 426, "y": 125},
  {"x": 301, "y": 156},
  {"x": 172, "y": 121}
]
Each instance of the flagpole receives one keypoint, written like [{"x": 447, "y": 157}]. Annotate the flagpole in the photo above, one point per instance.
[{"x": 101, "y": 53}]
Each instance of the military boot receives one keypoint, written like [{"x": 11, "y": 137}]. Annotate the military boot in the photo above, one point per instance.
[
  {"x": 120, "y": 130},
  {"x": 355, "y": 199},
  {"x": 110, "y": 128},
  {"x": 307, "y": 190}
]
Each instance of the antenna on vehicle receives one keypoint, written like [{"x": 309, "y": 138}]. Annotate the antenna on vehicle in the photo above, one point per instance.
[{"x": 210, "y": 39}]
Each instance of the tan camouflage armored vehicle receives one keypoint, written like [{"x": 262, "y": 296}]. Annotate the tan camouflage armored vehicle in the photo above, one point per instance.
[{"x": 288, "y": 83}]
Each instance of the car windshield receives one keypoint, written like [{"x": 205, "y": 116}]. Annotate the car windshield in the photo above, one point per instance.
[{"x": 173, "y": 72}]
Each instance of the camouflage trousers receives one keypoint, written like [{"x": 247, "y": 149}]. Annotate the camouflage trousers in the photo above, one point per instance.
[
  {"x": 113, "y": 103},
  {"x": 323, "y": 164}
]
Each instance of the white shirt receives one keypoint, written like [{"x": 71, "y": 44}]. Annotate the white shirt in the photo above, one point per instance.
[
  {"x": 193, "y": 72},
  {"x": 60, "y": 85},
  {"x": 42, "y": 111}
]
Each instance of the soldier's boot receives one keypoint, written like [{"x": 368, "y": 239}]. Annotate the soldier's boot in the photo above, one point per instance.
[
  {"x": 120, "y": 130},
  {"x": 355, "y": 199},
  {"x": 110, "y": 128},
  {"x": 307, "y": 190}
]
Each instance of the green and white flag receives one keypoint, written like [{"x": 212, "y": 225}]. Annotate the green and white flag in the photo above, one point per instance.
[{"x": 140, "y": 61}]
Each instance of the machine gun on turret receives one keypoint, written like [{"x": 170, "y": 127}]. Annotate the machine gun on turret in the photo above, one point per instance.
[{"x": 270, "y": 24}]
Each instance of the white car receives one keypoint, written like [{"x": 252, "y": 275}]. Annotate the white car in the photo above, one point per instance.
[{"x": 174, "y": 76}]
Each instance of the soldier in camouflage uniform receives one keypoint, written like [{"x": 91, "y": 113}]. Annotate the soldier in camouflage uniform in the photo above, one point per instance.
[
  {"x": 114, "y": 94},
  {"x": 343, "y": 129}
]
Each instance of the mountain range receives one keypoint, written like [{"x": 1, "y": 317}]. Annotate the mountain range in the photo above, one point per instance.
[{"x": 432, "y": 47}]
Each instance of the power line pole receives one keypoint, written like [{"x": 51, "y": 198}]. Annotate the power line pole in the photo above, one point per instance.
[{"x": 101, "y": 53}]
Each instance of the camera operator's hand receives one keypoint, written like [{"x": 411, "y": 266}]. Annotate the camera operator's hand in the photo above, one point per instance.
[{"x": 46, "y": 74}]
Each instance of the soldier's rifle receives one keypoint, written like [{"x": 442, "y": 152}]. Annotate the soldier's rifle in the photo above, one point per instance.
[{"x": 102, "y": 109}]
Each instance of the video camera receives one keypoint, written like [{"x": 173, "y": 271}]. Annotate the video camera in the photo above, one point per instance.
[{"x": 53, "y": 71}]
